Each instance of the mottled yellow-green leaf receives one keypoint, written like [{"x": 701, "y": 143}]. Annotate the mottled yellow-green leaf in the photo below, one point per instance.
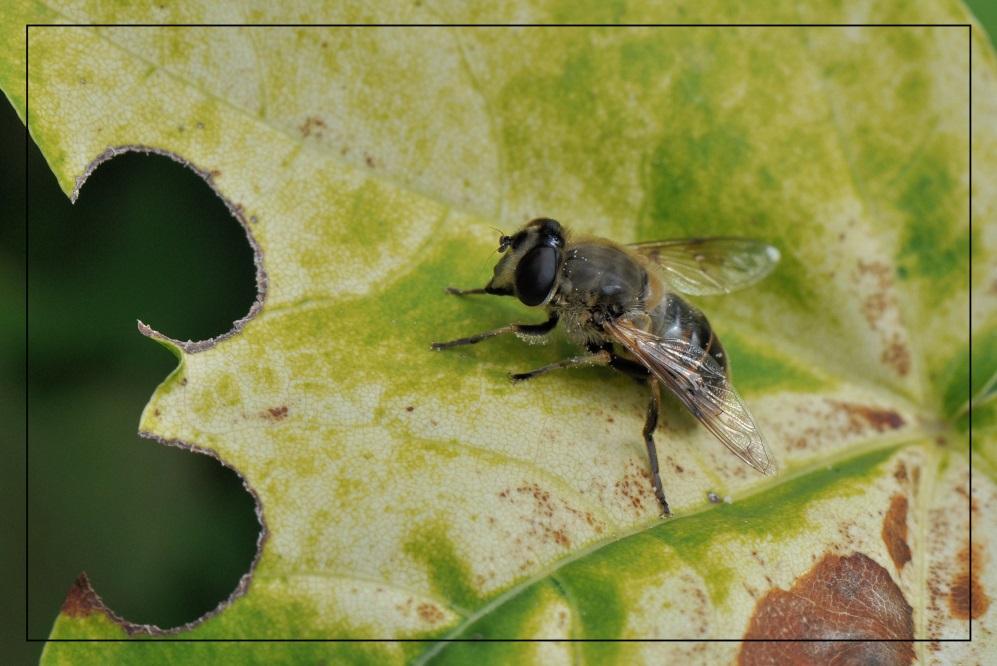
[{"x": 410, "y": 494}]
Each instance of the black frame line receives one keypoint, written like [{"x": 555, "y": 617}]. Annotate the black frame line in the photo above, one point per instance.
[{"x": 172, "y": 639}]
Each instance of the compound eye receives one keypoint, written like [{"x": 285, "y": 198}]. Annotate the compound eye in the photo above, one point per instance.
[{"x": 535, "y": 275}]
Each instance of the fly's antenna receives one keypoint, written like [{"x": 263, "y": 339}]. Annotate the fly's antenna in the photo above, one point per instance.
[
  {"x": 504, "y": 240},
  {"x": 503, "y": 244}
]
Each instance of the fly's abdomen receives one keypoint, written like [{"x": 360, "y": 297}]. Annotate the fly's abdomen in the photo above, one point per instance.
[{"x": 673, "y": 317}]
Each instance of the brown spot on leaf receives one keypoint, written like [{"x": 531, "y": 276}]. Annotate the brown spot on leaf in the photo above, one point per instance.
[
  {"x": 876, "y": 303},
  {"x": 850, "y": 598},
  {"x": 409, "y": 408},
  {"x": 900, "y": 473},
  {"x": 81, "y": 600},
  {"x": 312, "y": 125},
  {"x": 429, "y": 612},
  {"x": 635, "y": 488},
  {"x": 404, "y": 608},
  {"x": 590, "y": 519},
  {"x": 897, "y": 355},
  {"x": 967, "y": 600},
  {"x": 277, "y": 413},
  {"x": 798, "y": 443},
  {"x": 895, "y": 531},
  {"x": 873, "y": 307},
  {"x": 880, "y": 309},
  {"x": 546, "y": 518},
  {"x": 861, "y": 416},
  {"x": 368, "y": 160}
]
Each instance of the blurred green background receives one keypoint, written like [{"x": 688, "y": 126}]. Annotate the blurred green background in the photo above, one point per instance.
[{"x": 164, "y": 534}]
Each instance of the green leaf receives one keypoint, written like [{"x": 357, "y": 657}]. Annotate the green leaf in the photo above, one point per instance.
[{"x": 410, "y": 494}]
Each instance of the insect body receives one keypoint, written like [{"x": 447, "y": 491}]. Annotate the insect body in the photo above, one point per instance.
[{"x": 623, "y": 304}]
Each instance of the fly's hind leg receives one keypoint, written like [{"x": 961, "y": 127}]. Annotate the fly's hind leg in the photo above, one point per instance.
[
  {"x": 631, "y": 369},
  {"x": 598, "y": 358},
  {"x": 640, "y": 373},
  {"x": 521, "y": 329},
  {"x": 649, "y": 426}
]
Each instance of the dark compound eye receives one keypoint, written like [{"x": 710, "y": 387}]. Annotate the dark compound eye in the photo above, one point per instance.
[{"x": 535, "y": 275}]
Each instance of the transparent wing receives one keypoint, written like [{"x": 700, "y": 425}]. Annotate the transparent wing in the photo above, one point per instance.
[
  {"x": 705, "y": 266},
  {"x": 703, "y": 388}
]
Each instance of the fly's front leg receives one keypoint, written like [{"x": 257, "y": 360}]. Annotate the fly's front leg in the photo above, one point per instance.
[
  {"x": 520, "y": 329},
  {"x": 649, "y": 426},
  {"x": 598, "y": 358},
  {"x": 487, "y": 289},
  {"x": 464, "y": 292}
]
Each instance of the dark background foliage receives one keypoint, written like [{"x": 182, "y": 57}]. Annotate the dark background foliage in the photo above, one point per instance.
[{"x": 163, "y": 534}]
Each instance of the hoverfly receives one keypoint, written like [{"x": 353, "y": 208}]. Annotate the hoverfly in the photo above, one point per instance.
[{"x": 622, "y": 303}]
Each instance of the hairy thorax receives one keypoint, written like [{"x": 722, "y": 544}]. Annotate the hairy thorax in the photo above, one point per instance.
[{"x": 598, "y": 281}]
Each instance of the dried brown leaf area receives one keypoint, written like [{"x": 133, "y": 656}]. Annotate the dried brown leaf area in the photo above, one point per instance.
[
  {"x": 959, "y": 591},
  {"x": 967, "y": 599},
  {"x": 843, "y": 598},
  {"x": 895, "y": 531},
  {"x": 81, "y": 600}
]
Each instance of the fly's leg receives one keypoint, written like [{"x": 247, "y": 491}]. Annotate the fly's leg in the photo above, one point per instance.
[
  {"x": 626, "y": 366},
  {"x": 464, "y": 292},
  {"x": 642, "y": 374},
  {"x": 649, "y": 425},
  {"x": 521, "y": 329},
  {"x": 598, "y": 358}
]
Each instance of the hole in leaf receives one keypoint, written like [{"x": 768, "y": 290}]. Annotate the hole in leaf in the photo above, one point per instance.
[{"x": 164, "y": 534}]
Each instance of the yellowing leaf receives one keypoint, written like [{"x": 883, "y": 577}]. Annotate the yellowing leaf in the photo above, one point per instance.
[{"x": 410, "y": 494}]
